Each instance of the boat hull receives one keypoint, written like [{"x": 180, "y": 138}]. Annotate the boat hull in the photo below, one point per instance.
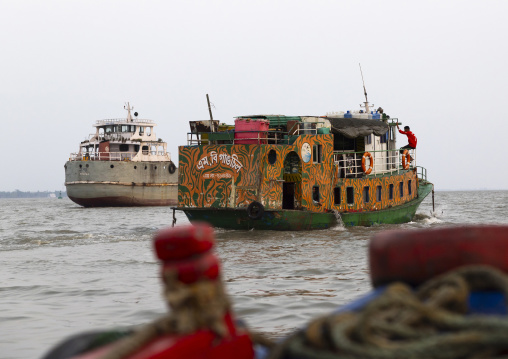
[
  {"x": 399, "y": 214},
  {"x": 121, "y": 183},
  {"x": 281, "y": 220},
  {"x": 295, "y": 220}
]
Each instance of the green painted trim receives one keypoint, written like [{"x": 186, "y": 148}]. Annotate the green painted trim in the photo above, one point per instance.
[
  {"x": 296, "y": 220},
  {"x": 399, "y": 214},
  {"x": 279, "y": 220}
]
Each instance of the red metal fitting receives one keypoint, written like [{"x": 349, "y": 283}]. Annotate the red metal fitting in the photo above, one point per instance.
[{"x": 177, "y": 243}]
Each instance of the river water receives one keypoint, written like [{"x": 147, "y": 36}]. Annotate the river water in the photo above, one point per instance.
[{"x": 67, "y": 269}]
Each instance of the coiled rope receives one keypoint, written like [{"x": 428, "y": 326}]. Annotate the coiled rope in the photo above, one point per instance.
[
  {"x": 193, "y": 306},
  {"x": 401, "y": 323}
]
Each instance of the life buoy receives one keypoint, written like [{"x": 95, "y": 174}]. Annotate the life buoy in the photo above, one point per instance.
[
  {"x": 255, "y": 210},
  {"x": 416, "y": 256},
  {"x": 406, "y": 158},
  {"x": 171, "y": 167},
  {"x": 365, "y": 156}
]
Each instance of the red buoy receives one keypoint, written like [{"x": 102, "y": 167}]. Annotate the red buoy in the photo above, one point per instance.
[
  {"x": 183, "y": 241},
  {"x": 414, "y": 256}
]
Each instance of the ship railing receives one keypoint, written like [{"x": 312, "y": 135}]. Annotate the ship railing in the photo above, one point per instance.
[
  {"x": 120, "y": 120},
  {"x": 120, "y": 137},
  {"x": 276, "y": 137},
  {"x": 421, "y": 172},
  {"x": 103, "y": 156},
  {"x": 349, "y": 163}
]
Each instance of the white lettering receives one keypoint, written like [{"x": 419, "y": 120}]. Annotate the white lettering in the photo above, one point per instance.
[{"x": 229, "y": 160}]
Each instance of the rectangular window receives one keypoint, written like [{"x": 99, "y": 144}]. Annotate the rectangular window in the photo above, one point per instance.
[
  {"x": 401, "y": 189},
  {"x": 141, "y": 130},
  {"x": 350, "y": 195},
  {"x": 317, "y": 153},
  {"x": 390, "y": 192},
  {"x": 366, "y": 194},
  {"x": 315, "y": 194},
  {"x": 336, "y": 195},
  {"x": 383, "y": 138},
  {"x": 409, "y": 187},
  {"x": 124, "y": 147},
  {"x": 378, "y": 193},
  {"x": 368, "y": 139}
]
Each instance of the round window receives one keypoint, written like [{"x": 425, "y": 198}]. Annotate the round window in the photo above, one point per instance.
[{"x": 272, "y": 157}]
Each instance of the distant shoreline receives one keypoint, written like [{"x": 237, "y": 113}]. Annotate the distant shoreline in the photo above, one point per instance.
[{"x": 28, "y": 194}]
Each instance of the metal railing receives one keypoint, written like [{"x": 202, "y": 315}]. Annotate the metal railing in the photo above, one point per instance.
[
  {"x": 238, "y": 137},
  {"x": 421, "y": 172},
  {"x": 115, "y": 136},
  {"x": 112, "y": 156},
  {"x": 121, "y": 120},
  {"x": 385, "y": 161}
]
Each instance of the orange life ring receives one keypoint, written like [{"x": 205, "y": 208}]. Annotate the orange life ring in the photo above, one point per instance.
[
  {"x": 406, "y": 158},
  {"x": 365, "y": 155}
]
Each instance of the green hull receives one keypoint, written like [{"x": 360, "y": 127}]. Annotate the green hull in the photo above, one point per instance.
[
  {"x": 280, "y": 220},
  {"x": 295, "y": 220},
  {"x": 400, "y": 214}
]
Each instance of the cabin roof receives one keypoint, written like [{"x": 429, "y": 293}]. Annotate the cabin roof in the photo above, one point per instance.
[{"x": 357, "y": 127}]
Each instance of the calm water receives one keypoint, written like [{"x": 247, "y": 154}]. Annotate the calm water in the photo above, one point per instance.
[{"x": 67, "y": 269}]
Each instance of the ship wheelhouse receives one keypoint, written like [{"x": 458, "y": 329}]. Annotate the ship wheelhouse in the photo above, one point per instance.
[{"x": 129, "y": 139}]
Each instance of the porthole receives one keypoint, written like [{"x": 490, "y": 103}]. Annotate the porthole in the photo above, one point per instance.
[
  {"x": 146, "y": 167},
  {"x": 112, "y": 166},
  {"x": 272, "y": 157},
  {"x": 135, "y": 167},
  {"x": 87, "y": 165},
  {"x": 163, "y": 167},
  {"x": 80, "y": 166},
  {"x": 155, "y": 168}
]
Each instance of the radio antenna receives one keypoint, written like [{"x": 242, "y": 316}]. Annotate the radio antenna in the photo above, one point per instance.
[{"x": 366, "y": 103}]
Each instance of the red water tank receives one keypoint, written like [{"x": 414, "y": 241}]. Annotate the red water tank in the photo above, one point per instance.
[{"x": 251, "y": 131}]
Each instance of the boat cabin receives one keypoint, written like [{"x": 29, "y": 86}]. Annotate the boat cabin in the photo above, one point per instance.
[{"x": 128, "y": 139}]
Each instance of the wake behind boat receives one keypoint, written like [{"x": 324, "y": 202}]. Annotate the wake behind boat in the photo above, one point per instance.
[{"x": 122, "y": 164}]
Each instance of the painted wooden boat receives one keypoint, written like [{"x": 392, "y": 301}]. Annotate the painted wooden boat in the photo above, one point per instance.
[{"x": 299, "y": 173}]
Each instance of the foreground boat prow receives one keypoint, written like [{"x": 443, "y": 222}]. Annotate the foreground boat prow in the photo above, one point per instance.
[{"x": 434, "y": 290}]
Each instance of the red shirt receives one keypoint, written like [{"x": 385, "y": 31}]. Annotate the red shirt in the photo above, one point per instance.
[{"x": 411, "y": 138}]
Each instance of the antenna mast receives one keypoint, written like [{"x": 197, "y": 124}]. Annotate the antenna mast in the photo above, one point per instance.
[
  {"x": 366, "y": 103},
  {"x": 210, "y": 110},
  {"x": 128, "y": 108}
]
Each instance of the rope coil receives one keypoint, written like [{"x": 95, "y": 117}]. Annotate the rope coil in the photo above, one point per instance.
[{"x": 402, "y": 323}]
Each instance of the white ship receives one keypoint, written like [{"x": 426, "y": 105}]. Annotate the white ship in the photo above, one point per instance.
[{"x": 122, "y": 164}]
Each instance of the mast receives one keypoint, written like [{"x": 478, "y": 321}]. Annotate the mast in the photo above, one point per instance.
[
  {"x": 128, "y": 108},
  {"x": 210, "y": 110},
  {"x": 366, "y": 103}
]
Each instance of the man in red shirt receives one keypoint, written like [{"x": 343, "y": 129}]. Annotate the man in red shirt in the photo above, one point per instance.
[{"x": 411, "y": 138}]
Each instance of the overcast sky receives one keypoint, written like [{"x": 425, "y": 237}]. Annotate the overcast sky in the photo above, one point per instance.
[{"x": 439, "y": 66}]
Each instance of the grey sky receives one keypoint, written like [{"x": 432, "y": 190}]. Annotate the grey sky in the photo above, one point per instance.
[{"x": 439, "y": 66}]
